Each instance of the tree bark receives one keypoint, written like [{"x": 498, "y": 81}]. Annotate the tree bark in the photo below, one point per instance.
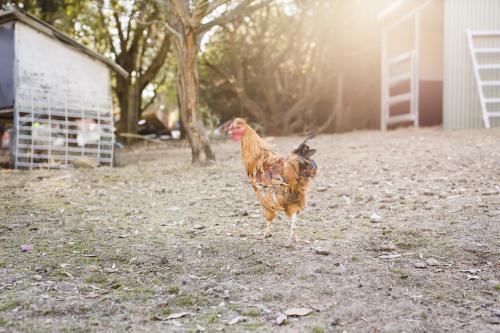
[
  {"x": 187, "y": 86},
  {"x": 129, "y": 97}
]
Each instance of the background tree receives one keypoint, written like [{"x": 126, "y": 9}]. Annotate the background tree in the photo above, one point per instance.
[
  {"x": 297, "y": 66},
  {"x": 137, "y": 41},
  {"x": 189, "y": 21},
  {"x": 275, "y": 65}
]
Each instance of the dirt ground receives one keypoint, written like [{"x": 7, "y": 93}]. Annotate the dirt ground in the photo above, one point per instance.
[{"x": 407, "y": 223}]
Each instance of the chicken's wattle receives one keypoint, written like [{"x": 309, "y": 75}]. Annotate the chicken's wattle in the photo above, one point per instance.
[{"x": 237, "y": 134}]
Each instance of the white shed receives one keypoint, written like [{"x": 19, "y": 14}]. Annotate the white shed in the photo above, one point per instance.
[
  {"x": 55, "y": 92},
  {"x": 441, "y": 63}
]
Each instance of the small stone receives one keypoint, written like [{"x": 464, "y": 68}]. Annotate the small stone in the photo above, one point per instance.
[
  {"x": 375, "y": 218},
  {"x": 334, "y": 322},
  {"x": 280, "y": 319},
  {"x": 38, "y": 277},
  {"x": 432, "y": 262},
  {"x": 387, "y": 246},
  {"x": 26, "y": 247},
  {"x": 322, "y": 251},
  {"x": 419, "y": 264},
  {"x": 199, "y": 226}
]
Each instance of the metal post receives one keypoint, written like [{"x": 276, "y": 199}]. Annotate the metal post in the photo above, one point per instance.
[
  {"x": 384, "y": 89},
  {"x": 416, "y": 69},
  {"x": 66, "y": 125},
  {"x": 49, "y": 154},
  {"x": 32, "y": 124}
]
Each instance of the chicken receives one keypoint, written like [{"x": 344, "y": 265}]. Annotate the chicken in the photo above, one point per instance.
[{"x": 280, "y": 182}]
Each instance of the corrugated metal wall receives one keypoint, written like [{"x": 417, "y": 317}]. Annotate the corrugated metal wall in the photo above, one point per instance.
[{"x": 461, "y": 101}]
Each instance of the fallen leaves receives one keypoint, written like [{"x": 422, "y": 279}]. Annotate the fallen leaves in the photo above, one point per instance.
[
  {"x": 298, "y": 312},
  {"x": 389, "y": 256},
  {"x": 172, "y": 316},
  {"x": 237, "y": 319},
  {"x": 177, "y": 315}
]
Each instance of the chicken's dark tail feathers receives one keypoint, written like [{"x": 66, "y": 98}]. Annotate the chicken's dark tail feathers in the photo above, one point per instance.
[{"x": 303, "y": 150}]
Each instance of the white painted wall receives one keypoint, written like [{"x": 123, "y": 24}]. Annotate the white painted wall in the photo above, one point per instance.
[{"x": 46, "y": 63}]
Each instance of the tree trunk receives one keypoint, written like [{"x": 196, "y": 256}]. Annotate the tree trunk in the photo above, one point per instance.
[
  {"x": 129, "y": 98},
  {"x": 187, "y": 86}
]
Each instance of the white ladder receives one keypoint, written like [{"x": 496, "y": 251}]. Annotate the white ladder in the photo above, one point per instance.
[
  {"x": 480, "y": 83},
  {"x": 389, "y": 81}
]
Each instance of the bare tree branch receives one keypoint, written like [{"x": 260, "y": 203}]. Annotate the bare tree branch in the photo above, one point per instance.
[
  {"x": 242, "y": 9},
  {"x": 156, "y": 64}
]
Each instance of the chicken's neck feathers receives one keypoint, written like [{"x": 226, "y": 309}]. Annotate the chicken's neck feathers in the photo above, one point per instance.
[{"x": 252, "y": 147}]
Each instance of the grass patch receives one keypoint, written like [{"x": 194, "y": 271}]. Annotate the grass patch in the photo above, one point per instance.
[
  {"x": 232, "y": 307},
  {"x": 497, "y": 287},
  {"x": 184, "y": 300},
  {"x": 354, "y": 258},
  {"x": 97, "y": 278},
  {"x": 326, "y": 291},
  {"x": 304, "y": 277},
  {"x": 259, "y": 269},
  {"x": 401, "y": 272},
  {"x": 252, "y": 325},
  {"x": 189, "y": 300},
  {"x": 163, "y": 312},
  {"x": 272, "y": 297},
  {"x": 174, "y": 290},
  {"x": 251, "y": 313},
  {"x": 423, "y": 315},
  {"x": 10, "y": 304},
  {"x": 212, "y": 318},
  {"x": 317, "y": 329}
]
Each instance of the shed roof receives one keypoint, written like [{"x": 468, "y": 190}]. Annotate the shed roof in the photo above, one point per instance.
[{"x": 11, "y": 13}]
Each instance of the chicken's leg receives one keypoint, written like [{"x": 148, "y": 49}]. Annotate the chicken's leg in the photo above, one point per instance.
[
  {"x": 267, "y": 232},
  {"x": 269, "y": 215},
  {"x": 293, "y": 235}
]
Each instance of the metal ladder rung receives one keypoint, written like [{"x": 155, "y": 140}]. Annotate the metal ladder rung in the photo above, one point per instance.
[
  {"x": 490, "y": 83},
  {"x": 400, "y": 58},
  {"x": 399, "y": 79},
  {"x": 488, "y": 50},
  {"x": 489, "y": 66},
  {"x": 494, "y": 114},
  {"x": 400, "y": 118},
  {"x": 393, "y": 100},
  {"x": 492, "y": 100},
  {"x": 485, "y": 33}
]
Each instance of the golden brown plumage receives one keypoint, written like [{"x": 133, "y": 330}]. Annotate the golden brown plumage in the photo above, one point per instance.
[{"x": 280, "y": 182}]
